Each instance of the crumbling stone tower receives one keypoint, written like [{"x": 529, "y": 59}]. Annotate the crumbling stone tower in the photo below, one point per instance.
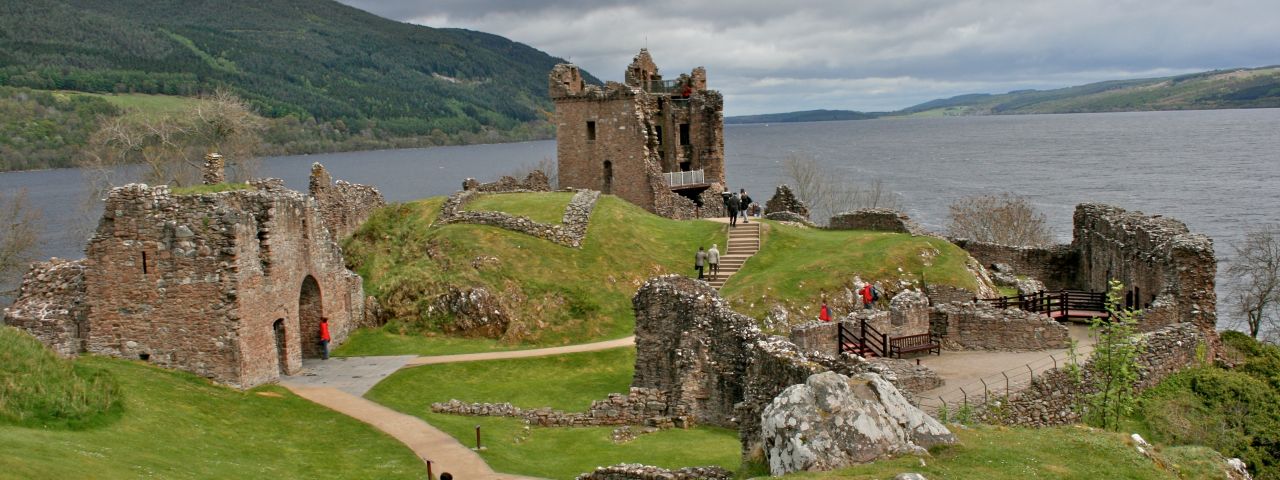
[{"x": 656, "y": 143}]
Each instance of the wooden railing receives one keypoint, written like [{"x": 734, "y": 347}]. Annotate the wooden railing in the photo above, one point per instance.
[
  {"x": 865, "y": 336},
  {"x": 1058, "y": 304}
]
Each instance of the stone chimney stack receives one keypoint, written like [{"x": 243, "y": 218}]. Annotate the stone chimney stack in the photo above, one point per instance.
[{"x": 214, "y": 169}]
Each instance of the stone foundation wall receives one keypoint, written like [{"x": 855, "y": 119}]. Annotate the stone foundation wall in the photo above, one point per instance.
[
  {"x": 50, "y": 305},
  {"x": 971, "y": 326},
  {"x": 626, "y": 471},
  {"x": 343, "y": 206},
  {"x": 535, "y": 181},
  {"x": 1054, "y": 397},
  {"x": 641, "y": 406},
  {"x": 875, "y": 219},
  {"x": 943, "y": 294},
  {"x": 1057, "y": 266},
  {"x": 571, "y": 231},
  {"x": 818, "y": 337}
]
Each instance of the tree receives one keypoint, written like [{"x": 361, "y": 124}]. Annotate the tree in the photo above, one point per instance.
[
  {"x": 1113, "y": 368},
  {"x": 18, "y": 236},
  {"x": 1005, "y": 219},
  {"x": 827, "y": 192},
  {"x": 171, "y": 148},
  {"x": 1256, "y": 269}
]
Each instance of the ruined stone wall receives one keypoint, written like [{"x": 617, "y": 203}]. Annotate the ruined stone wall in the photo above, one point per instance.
[
  {"x": 343, "y": 206},
  {"x": 969, "y": 326},
  {"x": 50, "y": 305},
  {"x": 197, "y": 282},
  {"x": 875, "y": 219},
  {"x": 629, "y": 471},
  {"x": 1056, "y": 266},
  {"x": 640, "y": 406},
  {"x": 620, "y": 140},
  {"x": 783, "y": 200},
  {"x": 571, "y": 231},
  {"x": 818, "y": 337},
  {"x": 1055, "y": 398},
  {"x": 1159, "y": 260},
  {"x": 943, "y": 294},
  {"x": 535, "y": 181}
]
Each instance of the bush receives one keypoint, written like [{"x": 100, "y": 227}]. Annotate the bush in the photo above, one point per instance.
[{"x": 41, "y": 390}]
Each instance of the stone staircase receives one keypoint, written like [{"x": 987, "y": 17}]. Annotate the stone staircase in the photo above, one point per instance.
[{"x": 744, "y": 241}]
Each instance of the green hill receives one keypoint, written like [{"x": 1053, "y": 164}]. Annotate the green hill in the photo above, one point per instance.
[
  {"x": 146, "y": 422},
  {"x": 316, "y": 60},
  {"x": 560, "y": 295},
  {"x": 1237, "y": 88}
]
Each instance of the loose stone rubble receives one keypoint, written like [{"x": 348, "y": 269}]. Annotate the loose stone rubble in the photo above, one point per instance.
[{"x": 628, "y": 471}]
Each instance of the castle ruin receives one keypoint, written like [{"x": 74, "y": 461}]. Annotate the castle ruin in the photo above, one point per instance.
[
  {"x": 230, "y": 286},
  {"x": 656, "y": 143}
]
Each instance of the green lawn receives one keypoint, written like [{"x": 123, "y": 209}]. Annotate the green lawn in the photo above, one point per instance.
[
  {"x": 567, "y": 382},
  {"x": 215, "y": 188},
  {"x": 175, "y": 425},
  {"x": 540, "y": 207},
  {"x": 1071, "y": 452},
  {"x": 560, "y": 295},
  {"x": 797, "y": 266},
  {"x": 148, "y": 104}
]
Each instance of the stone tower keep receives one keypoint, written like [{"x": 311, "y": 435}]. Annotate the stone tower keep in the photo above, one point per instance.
[{"x": 656, "y": 143}]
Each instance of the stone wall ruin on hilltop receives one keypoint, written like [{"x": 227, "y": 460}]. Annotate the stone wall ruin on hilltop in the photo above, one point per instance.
[{"x": 229, "y": 286}]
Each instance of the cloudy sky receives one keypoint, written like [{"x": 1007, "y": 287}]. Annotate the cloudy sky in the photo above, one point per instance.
[{"x": 779, "y": 56}]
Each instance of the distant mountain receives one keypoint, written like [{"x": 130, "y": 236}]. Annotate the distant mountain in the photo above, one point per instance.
[
  {"x": 311, "y": 59},
  {"x": 1238, "y": 88},
  {"x": 805, "y": 116}
]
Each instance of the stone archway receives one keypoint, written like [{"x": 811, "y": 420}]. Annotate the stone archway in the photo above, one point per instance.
[
  {"x": 310, "y": 309},
  {"x": 282, "y": 353}
]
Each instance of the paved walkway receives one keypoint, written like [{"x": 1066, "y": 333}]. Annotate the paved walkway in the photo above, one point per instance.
[{"x": 340, "y": 383}]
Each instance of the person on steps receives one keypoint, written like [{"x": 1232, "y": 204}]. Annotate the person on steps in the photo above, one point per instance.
[
  {"x": 733, "y": 204},
  {"x": 744, "y": 202},
  {"x": 324, "y": 338},
  {"x": 713, "y": 258},
  {"x": 699, "y": 260}
]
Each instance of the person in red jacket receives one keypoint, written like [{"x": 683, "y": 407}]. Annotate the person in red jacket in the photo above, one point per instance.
[
  {"x": 324, "y": 338},
  {"x": 825, "y": 313},
  {"x": 867, "y": 300}
]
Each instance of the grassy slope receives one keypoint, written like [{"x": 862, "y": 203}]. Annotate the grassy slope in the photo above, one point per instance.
[
  {"x": 156, "y": 105},
  {"x": 796, "y": 266},
  {"x": 567, "y": 382},
  {"x": 39, "y": 389},
  {"x": 563, "y": 295},
  {"x": 1062, "y": 453},
  {"x": 176, "y": 425}
]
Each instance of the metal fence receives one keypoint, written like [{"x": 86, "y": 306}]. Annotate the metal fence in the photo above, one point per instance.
[{"x": 676, "y": 179}]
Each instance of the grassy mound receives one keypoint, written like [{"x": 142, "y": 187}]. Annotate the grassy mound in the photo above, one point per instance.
[
  {"x": 1235, "y": 411},
  {"x": 176, "y": 425},
  {"x": 796, "y": 267},
  {"x": 556, "y": 294},
  {"x": 566, "y": 382},
  {"x": 39, "y": 389},
  {"x": 540, "y": 207}
]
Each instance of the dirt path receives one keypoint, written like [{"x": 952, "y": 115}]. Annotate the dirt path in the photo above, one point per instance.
[{"x": 426, "y": 441}]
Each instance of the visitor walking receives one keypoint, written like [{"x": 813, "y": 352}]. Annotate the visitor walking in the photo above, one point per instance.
[
  {"x": 700, "y": 260},
  {"x": 324, "y": 338},
  {"x": 745, "y": 203},
  {"x": 825, "y": 313},
  {"x": 866, "y": 296},
  {"x": 713, "y": 258},
  {"x": 733, "y": 204}
]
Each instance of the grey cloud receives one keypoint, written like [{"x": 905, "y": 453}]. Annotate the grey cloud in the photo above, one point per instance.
[{"x": 845, "y": 54}]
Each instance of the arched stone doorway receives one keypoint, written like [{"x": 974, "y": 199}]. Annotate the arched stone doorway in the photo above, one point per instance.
[
  {"x": 310, "y": 309},
  {"x": 282, "y": 353},
  {"x": 608, "y": 178}
]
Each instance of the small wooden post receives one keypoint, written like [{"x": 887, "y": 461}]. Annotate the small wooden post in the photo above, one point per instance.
[{"x": 478, "y": 447}]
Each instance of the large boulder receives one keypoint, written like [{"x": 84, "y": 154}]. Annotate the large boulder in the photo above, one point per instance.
[
  {"x": 474, "y": 312},
  {"x": 833, "y": 421}
]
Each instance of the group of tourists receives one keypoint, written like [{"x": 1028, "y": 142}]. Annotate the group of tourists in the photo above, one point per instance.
[
  {"x": 708, "y": 259},
  {"x": 739, "y": 204},
  {"x": 866, "y": 294}
]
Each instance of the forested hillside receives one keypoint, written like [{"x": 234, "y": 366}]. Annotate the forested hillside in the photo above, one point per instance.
[{"x": 314, "y": 60}]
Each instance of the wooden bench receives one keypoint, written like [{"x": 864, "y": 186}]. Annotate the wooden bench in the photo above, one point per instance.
[{"x": 924, "y": 342}]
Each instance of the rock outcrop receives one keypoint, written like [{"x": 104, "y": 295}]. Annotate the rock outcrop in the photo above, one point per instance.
[{"x": 834, "y": 421}]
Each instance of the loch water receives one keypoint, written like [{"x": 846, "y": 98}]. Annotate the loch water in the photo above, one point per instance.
[{"x": 1216, "y": 170}]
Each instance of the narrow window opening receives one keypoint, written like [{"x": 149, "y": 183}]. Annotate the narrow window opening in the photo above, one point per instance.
[
  {"x": 591, "y": 130},
  {"x": 684, "y": 134},
  {"x": 144, "y": 263},
  {"x": 608, "y": 178},
  {"x": 658, "y": 130}
]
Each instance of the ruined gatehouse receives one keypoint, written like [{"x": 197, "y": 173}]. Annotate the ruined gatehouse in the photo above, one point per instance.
[
  {"x": 656, "y": 143},
  {"x": 230, "y": 286}
]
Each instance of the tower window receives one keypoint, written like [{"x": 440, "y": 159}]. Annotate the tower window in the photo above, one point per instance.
[{"x": 591, "y": 130}]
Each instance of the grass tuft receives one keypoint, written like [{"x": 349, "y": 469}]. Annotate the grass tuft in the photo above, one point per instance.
[
  {"x": 39, "y": 389},
  {"x": 215, "y": 188}
]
